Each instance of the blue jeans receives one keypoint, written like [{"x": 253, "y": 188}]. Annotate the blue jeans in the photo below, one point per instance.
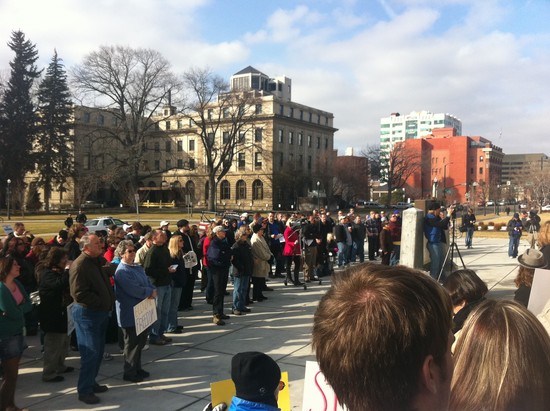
[
  {"x": 209, "y": 291},
  {"x": 342, "y": 254},
  {"x": 91, "y": 326},
  {"x": 240, "y": 288},
  {"x": 173, "y": 312},
  {"x": 436, "y": 255},
  {"x": 395, "y": 254},
  {"x": 164, "y": 293},
  {"x": 513, "y": 245},
  {"x": 469, "y": 236}
]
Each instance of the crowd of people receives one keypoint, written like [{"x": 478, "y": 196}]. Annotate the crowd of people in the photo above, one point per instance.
[{"x": 101, "y": 276}]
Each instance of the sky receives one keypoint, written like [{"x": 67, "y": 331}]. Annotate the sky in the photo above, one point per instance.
[{"x": 487, "y": 62}]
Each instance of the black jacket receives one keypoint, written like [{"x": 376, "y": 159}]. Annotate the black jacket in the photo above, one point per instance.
[
  {"x": 219, "y": 254},
  {"x": 54, "y": 298},
  {"x": 242, "y": 258}
]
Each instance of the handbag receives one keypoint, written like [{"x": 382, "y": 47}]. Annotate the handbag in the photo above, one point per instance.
[{"x": 462, "y": 228}]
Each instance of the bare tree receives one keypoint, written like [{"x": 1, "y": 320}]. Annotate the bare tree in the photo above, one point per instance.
[
  {"x": 400, "y": 164},
  {"x": 372, "y": 153},
  {"x": 225, "y": 121},
  {"x": 132, "y": 84}
]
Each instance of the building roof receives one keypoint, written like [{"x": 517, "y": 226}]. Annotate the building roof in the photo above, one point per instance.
[{"x": 249, "y": 70}]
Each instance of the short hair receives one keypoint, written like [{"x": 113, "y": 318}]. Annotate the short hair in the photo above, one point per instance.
[
  {"x": 465, "y": 285},
  {"x": 122, "y": 247},
  {"x": 85, "y": 241},
  {"x": 18, "y": 224},
  {"x": 54, "y": 257},
  {"x": 136, "y": 225},
  {"x": 243, "y": 230},
  {"x": 544, "y": 234},
  {"x": 75, "y": 228},
  {"x": 148, "y": 236},
  {"x": 373, "y": 330},
  {"x": 502, "y": 360}
]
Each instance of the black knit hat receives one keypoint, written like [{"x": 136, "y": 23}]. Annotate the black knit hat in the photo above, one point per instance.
[
  {"x": 182, "y": 223},
  {"x": 256, "y": 377}
]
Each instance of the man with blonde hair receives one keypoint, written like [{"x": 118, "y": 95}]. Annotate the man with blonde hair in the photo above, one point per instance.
[{"x": 382, "y": 338}]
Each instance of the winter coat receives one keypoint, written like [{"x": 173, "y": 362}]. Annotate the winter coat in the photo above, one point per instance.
[
  {"x": 261, "y": 255},
  {"x": 292, "y": 243},
  {"x": 54, "y": 299}
]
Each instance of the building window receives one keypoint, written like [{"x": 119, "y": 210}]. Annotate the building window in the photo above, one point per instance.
[
  {"x": 242, "y": 137},
  {"x": 281, "y": 110},
  {"x": 157, "y": 165},
  {"x": 318, "y": 119},
  {"x": 168, "y": 146},
  {"x": 300, "y": 160},
  {"x": 241, "y": 190},
  {"x": 309, "y": 141},
  {"x": 225, "y": 190},
  {"x": 310, "y": 117},
  {"x": 281, "y": 159},
  {"x": 480, "y": 158},
  {"x": 258, "y": 135},
  {"x": 241, "y": 162},
  {"x": 291, "y": 112},
  {"x": 281, "y": 135},
  {"x": 210, "y": 139},
  {"x": 86, "y": 117},
  {"x": 257, "y": 160},
  {"x": 326, "y": 143},
  {"x": 191, "y": 163},
  {"x": 180, "y": 163},
  {"x": 326, "y": 121},
  {"x": 180, "y": 124},
  {"x": 209, "y": 115},
  {"x": 167, "y": 125},
  {"x": 86, "y": 162},
  {"x": 206, "y": 191},
  {"x": 258, "y": 109},
  {"x": 157, "y": 127},
  {"x": 300, "y": 139},
  {"x": 290, "y": 137},
  {"x": 168, "y": 164},
  {"x": 179, "y": 145},
  {"x": 318, "y": 142},
  {"x": 301, "y": 114},
  {"x": 291, "y": 158},
  {"x": 480, "y": 170},
  {"x": 157, "y": 147},
  {"x": 257, "y": 190},
  {"x": 309, "y": 162},
  {"x": 225, "y": 137},
  {"x": 225, "y": 112},
  {"x": 191, "y": 145},
  {"x": 471, "y": 170},
  {"x": 100, "y": 119}
]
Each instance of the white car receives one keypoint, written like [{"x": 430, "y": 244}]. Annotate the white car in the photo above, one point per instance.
[
  {"x": 102, "y": 223},
  {"x": 545, "y": 208}
]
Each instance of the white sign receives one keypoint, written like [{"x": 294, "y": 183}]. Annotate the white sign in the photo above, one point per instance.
[
  {"x": 8, "y": 229},
  {"x": 318, "y": 395},
  {"x": 145, "y": 314},
  {"x": 540, "y": 291},
  {"x": 70, "y": 320}
]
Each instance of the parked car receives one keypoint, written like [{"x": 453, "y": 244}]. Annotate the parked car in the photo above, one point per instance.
[
  {"x": 490, "y": 203},
  {"x": 102, "y": 223},
  {"x": 545, "y": 207},
  {"x": 92, "y": 204},
  {"x": 403, "y": 205},
  {"x": 371, "y": 204}
]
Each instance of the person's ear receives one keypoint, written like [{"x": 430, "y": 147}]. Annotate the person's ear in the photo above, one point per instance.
[{"x": 430, "y": 375}]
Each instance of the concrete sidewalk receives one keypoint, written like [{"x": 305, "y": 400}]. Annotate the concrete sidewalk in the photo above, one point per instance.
[{"x": 181, "y": 372}]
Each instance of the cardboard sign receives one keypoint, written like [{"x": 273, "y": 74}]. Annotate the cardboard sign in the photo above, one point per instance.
[
  {"x": 540, "y": 291},
  {"x": 224, "y": 391},
  {"x": 145, "y": 314},
  {"x": 318, "y": 395}
]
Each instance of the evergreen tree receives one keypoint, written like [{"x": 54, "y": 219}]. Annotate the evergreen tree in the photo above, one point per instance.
[
  {"x": 18, "y": 116},
  {"x": 54, "y": 143}
]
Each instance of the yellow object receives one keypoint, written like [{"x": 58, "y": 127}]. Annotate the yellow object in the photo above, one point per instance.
[{"x": 223, "y": 391}]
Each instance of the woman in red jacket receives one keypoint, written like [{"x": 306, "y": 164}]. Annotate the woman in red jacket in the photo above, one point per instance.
[{"x": 292, "y": 253}]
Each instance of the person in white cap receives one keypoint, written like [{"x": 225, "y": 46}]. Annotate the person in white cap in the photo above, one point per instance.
[{"x": 164, "y": 226}]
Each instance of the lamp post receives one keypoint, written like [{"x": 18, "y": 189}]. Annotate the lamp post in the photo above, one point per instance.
[
  {"x": 318, "y": 196},
  {"x": 472, "y": 195},
  {"x": 8, "y": 192}
]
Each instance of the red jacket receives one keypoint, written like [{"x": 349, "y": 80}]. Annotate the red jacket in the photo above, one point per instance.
[{"x": 292, "y": 243}]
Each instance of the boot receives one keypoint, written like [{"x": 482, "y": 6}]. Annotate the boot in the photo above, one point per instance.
[
  {"x": 297, "y": 280},
  {"x": 218, "y": 320}
]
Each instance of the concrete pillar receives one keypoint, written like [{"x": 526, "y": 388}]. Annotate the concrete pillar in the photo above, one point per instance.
[{"x": 412, "y": 239}]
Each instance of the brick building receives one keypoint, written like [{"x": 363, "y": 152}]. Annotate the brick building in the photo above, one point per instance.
[{"x": 455, "y": 168}]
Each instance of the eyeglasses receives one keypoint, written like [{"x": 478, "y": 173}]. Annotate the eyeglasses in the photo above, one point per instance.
[
  {"x": 130, "y": 251},
  {"x": 282, "y": 385}
]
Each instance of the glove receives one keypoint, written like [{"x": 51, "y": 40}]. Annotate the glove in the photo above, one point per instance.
[{"x": 220, "y": 407}]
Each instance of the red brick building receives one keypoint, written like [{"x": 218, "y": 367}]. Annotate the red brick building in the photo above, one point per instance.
[{"x": 454, "y": 168}]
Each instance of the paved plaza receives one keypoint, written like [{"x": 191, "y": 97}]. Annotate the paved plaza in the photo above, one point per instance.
[{"x": 181, "y": 372}]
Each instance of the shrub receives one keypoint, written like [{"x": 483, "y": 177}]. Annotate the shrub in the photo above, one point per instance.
[{"x": 491, "y": 223}]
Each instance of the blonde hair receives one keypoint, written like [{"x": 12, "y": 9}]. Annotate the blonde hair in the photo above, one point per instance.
[
  {"x": 544, "y": 235},
  {"x": 502, "y": 360},
  {"x": 174, "y": 248}
]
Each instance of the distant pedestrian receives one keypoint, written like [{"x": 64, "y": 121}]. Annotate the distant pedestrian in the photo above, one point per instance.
[
  {"x": 468, "y": 221},
  {"x": 69, "y": 221},
  {"x": 514, "y": 229}
]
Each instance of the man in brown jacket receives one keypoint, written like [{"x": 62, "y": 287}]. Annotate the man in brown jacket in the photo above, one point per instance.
[{"x": 93, "y": 300}]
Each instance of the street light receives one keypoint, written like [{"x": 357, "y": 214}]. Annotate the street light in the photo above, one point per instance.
[
  {"x": 318, "y": 196},
  {"x": 8, "y": 192}
]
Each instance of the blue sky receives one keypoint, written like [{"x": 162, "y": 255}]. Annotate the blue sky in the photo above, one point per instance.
[{"x": 485, "y": 61}]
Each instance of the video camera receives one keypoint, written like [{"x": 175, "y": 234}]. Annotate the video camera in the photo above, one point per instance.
[{"x": 298, "y": 223}]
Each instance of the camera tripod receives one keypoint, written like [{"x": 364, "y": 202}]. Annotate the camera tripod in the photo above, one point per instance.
[{"x": 451, "y": 250}]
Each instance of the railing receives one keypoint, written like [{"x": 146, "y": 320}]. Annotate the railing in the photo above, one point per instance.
[{"x": 149, "y": 204}]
